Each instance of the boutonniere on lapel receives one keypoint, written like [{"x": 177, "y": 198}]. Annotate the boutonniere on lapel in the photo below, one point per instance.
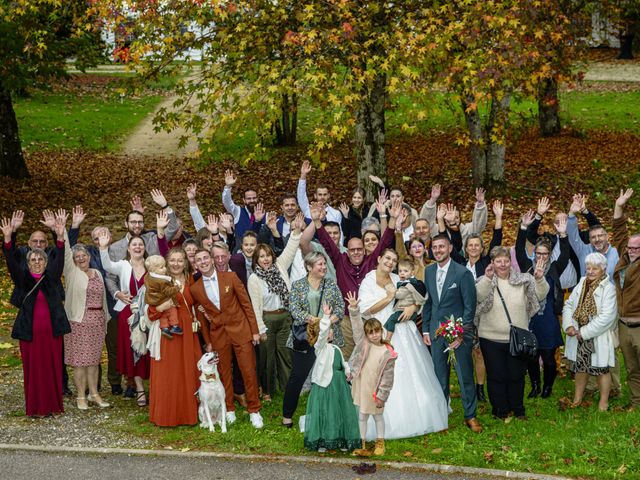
[{"x": 227, "y": 288}]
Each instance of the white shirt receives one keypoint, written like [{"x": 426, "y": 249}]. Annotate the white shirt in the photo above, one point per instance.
[
  {"x": 212, "y": 288},
  {"x": 444, "y": 271},
  {"x": 472, "y": 269}
]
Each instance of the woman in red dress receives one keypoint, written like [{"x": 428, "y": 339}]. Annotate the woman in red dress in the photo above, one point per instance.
[
  {"x": 130, "y": 273},
  {"x": 41, "y": 322}
]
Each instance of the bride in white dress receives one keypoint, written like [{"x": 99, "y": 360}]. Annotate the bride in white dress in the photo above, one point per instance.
[{"x": 416, "y": 404}]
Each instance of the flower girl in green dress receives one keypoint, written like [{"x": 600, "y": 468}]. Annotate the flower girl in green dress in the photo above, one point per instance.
[{"x": 331, "y": 420}]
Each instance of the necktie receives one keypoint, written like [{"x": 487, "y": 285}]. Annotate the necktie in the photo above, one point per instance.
[{"x": 439, "y": 281}]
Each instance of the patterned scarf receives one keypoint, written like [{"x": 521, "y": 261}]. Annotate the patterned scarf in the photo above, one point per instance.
[
  {"x": 587, "y": 305},
  {"x": 275, "y": 282}
]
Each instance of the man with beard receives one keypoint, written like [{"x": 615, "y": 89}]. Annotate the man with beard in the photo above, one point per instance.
[
  {"x": 598, "y": 239},
  {"x": 243, "y": 217}
]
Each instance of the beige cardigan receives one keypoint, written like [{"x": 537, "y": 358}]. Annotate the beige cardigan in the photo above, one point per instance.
[
  {"x": 75, "y": 288},
  {"x": 256, "y": 286}
]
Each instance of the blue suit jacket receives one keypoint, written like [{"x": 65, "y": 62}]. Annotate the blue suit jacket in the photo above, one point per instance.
[{"x": 458, "y": 298}]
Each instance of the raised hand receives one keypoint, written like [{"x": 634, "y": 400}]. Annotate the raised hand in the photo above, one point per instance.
[
  {"x": 344, "y": 209},
  {"x": 162, "y": 220},
  {"x": 48, "y": 219},
  {"x": 7, "y": 229},
  {"x": 624, "y": 197},
  {"x": 258, "y": 212},
  {"x": 77, "y": 216},
  {"x": 103, "y": 239},
  {"x": 543, "y": 206},
  {"x": 191, "y": 192},
  {"x": 498, "y": 208},
  {"x": 396, "y": 208},
  {"x": 298, "y": 222},
  {"x": 577, "y": 203},
  {"x": 305, "y": 169},
  {"x": 213, "y": 224},
  {"x": 317, "y": 210},
  {"x": 59, "y": 225},
  {"x": 441, "y": 212},
  {"x": 230, "y": 178},
  {"x": 527, "y": 218},
  {"x": 489, "y": 271},
  {"x": 326, "y": 309},
  {"x": 352, "y": 299},
  {"x": 62, "y": 214},
  {"x": 136, "y": 204},
  {"x": 436, "y": 190},
  {"x": 272, "y": 218},
  {"x": 16, "y": 220},
  {"x": 451, "y": 215},
  {"x": 402, "y": 216},
  {"x": 480, "y": 192},
  {"x": 561, "y": 225},
  {"x": 539, "y": 271},
  {"x": 226, "y": 222},
  {"x": 158, "y": 198}
]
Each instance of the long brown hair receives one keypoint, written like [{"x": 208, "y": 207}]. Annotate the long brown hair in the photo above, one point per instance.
[{"x": 373, "y": 325}]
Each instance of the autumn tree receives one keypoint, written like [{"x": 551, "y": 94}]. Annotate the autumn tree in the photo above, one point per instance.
[
  {"x": 342, "y": 57},
  {"x": 37, "y": 38},
  {"x": 488, "y": 53}
]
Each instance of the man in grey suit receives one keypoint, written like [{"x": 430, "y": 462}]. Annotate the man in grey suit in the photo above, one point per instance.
[
  {"x": 451, "y": 291},
  {"x": 134, "y": 223}
]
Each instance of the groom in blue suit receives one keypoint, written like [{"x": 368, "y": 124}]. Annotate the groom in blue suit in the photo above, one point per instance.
[{"x": 451, "y": 291}]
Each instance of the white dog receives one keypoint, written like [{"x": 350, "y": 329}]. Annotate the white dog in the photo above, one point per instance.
[{"x": 212, "y": 407}]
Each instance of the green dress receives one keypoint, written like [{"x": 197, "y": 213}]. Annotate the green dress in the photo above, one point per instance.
[{"x": 332, "y": 420}]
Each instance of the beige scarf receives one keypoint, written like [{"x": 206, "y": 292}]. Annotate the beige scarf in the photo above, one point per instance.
[{"x": 587, "y": 305}]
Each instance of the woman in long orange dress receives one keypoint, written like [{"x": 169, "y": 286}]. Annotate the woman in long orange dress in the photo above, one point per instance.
[{"x": 174, "y": 378}]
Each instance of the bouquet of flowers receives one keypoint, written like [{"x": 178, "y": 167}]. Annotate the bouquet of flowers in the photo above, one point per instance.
[{"x": 450, "y": 330}]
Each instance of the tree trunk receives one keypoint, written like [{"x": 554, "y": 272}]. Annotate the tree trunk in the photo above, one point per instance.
[
  {"x": 11, "y": 160},
  {"x": 626, "y": 46},
  {"x": 487, "y": 147},
  {"x": 548, "y": 107},
  {"x": 370, "y": 137},
  {"x": 476, "y": 152},
  {"x": 286, "y": 128}
]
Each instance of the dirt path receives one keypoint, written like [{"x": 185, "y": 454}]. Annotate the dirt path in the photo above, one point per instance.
[{"x": 613, "y": 72}]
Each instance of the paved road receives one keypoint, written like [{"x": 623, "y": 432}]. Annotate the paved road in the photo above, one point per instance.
[{"x": 20, "y": 465}]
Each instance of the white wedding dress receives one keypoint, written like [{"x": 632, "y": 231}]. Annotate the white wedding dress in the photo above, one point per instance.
[{"x": 416, "y": 404}]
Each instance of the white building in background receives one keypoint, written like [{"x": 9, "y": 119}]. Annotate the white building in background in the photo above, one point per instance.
[{"x": 603, "y": 32}]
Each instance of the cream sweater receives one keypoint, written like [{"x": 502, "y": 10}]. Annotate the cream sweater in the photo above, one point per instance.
[{"x": 494, "y": 325}]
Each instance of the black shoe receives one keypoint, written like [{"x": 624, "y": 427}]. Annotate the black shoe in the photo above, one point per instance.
[
  {"x": 546, "y": 392},
  {"x": 130, "y": 392},
  {"x": 116, "y": 390},
  {"x": 535, "y": 390},
  {"x": 480, "y": 392}
]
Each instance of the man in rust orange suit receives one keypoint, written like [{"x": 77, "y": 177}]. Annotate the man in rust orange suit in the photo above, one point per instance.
[{"x": 228, "y": 322}]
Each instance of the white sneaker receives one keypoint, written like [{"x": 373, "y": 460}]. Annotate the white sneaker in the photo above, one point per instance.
[
  {"x": 231, "y": 417},
  {"x": 256, "y": 420}
]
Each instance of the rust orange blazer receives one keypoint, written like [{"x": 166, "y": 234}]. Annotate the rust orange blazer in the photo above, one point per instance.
[{"x": 235, "y": 322}]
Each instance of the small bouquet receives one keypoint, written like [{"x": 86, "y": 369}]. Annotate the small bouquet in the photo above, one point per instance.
[{"x": 451, "y": 329}]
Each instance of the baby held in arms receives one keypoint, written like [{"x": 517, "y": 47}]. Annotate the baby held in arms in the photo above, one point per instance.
[{"x": 159, "y": 289}]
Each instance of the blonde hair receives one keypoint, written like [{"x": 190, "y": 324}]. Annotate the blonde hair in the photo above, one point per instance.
[{"x": 154, "y": 262}]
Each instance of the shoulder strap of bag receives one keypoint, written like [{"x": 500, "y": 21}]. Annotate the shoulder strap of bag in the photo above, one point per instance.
[
  {"x": 321, "y": 295},
  {"x": 34, "y": 287},
  {"x": 504, "y": 304}
]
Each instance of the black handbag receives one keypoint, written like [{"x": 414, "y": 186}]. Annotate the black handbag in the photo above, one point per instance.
[
  {"x": 299, "y": 332},
  {"x": 522, "y": 343}
]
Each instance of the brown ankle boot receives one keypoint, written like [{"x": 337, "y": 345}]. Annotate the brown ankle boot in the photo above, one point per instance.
[
  {"x": 379, "y": 448},
  {"x": 362, "y": 452}
]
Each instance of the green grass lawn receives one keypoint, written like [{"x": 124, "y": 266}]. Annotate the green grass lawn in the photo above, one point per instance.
[{"x": 70, "y": 121}]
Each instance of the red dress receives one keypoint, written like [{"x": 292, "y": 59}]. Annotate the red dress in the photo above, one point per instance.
[
  {"x": 42, "y": 364},
  {"x": 174, "y": 378},
  {"x": 124, "y": 355}
]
